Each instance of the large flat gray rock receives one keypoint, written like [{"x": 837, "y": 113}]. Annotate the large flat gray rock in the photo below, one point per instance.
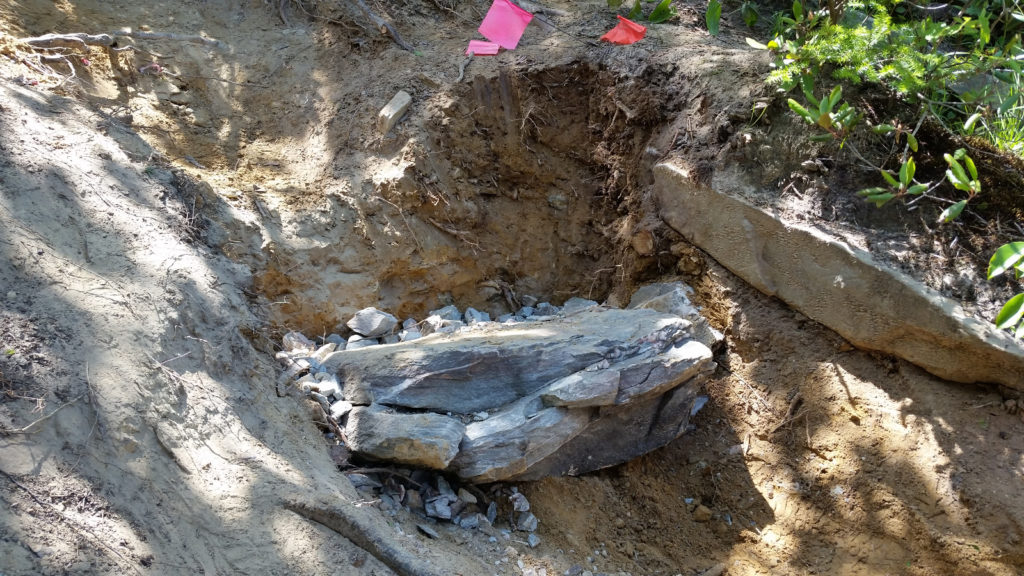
[
  {"x": 527, "y": 393},
  {"x": 841, "y": 286},
  {"x": 483, "y": 369},
  {"x": 531, "y": 438}
]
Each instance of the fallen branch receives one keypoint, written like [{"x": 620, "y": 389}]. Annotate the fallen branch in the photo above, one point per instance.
[
  {"x": 462, "y": 67},
  {"x": 384, "y": 26}
]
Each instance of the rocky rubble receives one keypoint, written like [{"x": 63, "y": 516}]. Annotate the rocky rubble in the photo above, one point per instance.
[
  {"x": 547, "y": 391},
  {"x": 499, "y": 513}
]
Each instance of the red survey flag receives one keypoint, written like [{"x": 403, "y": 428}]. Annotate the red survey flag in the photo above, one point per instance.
[
  {"x": 482, "y": 48},
  {"x": 505, "y": 23},
  {"x": 626, "y": 32}
]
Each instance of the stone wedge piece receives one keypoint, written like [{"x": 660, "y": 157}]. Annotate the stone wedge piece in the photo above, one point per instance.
[
  {"x": 843, "y": 287},
  {"x": 671, "y": 298},
  {"x": 393, "y": 111},
  {"x": 426, "y": 440},
  {"x": 508, "y": 443},
  {"x": 585, "y": 388}
]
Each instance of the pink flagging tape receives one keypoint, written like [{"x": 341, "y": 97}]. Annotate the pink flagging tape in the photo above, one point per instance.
[
  {"x": 505, "y": 23},
  {"x": 482, "y": 48}
]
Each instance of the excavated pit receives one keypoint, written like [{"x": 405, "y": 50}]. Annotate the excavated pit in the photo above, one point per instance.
[{"x": 527, "y": 184}]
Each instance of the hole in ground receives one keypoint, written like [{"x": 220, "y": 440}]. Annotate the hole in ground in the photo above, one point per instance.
[{"x": 527, "y": 183}]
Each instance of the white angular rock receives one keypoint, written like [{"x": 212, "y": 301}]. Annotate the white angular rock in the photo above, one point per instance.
[
  {"x": 576, "y": 304},
  {"x": 431, "y": 324},
  {"x": 296, "y": 341},
  {"x": 328, "y": 384},
  {"x": 356, "y": 342},
  {"x": 672, "y": 298},
  {"x": 474, "y": 316},
  {"x": 323, "y": 351},
  {"x": 408, "y": 335},
  {"x": 393, "y": 111},
  {"x": 526, "y": 522},
  {"x": 340, "y": 408},
  {"x": 449, "y": 312},
  {"x": 371, "y": 323}
]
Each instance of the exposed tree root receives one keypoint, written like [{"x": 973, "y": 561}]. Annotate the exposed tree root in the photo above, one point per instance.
[
  {"x": 80, "y": 40},
  {"x": 361, "y": 531}
]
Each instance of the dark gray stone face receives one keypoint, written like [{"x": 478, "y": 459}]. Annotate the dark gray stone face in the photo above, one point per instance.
[
  {"x": 485, "y": 369},
  {"x": 568, "y": 394}
]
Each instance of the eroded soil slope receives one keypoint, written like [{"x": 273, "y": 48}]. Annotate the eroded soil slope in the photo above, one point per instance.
[{"x": 161, "y": 228}]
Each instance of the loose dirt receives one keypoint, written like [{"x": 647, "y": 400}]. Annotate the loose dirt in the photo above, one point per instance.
[{"x": 160, "y": 230}]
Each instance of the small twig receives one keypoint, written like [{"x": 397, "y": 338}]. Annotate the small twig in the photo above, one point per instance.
[
  {"x": 757, "y": 394},
  {"x": 282, "y": 11},
  {"x": 853, "y": 148},
  {"x": 789, "y": 417},
  {"x": 328, "y": 20},
  {"x": 179, "y": 356},
  {"x": 126, "y": 302},
  {"x": 95, "y": 415},
  {"x": 506, "y": 291},
  {"x": 25, "y": 430},
  {"x": 70, "y": 76},
  {"x": 69, "y": 520},
  {"x": 332, "y": 424},
  {"x": 171, "y": 374},
  {"x": 457, "y": 234},
  {"x": 22, "y": 486},
  {"x": 799, "y": 415},
  {"x": 383, "y": 471},
  {"x": 193, "y": 38},
  {"x": 216, "y": 79},
  {"x": 406, "y": 220}
]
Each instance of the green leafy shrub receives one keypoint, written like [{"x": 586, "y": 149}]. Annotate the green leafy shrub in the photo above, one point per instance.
[{"x": 1006, "y": 258}]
